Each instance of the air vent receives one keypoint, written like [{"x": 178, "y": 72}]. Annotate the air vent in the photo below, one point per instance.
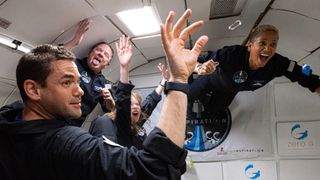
[
  {"x": 4, "y": 23},
  {"x": 226, "y": 8}
]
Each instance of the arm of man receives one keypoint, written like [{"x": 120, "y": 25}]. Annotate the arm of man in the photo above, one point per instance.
[
  {"x": 83, "y": 27},
  {"x": 181, "y": 63},
  {"x": 152, "y": 99},
  {"x": 124, "y": 51}
]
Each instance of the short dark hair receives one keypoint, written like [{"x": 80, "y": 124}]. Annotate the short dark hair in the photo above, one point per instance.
[
  {"x": 99, "y": 43},
  {"x": 36, "y": 65},
  {"x": 261, "y": 29}
]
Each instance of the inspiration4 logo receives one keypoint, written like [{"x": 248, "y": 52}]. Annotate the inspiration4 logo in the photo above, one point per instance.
[{"x": 251, "y": 172}]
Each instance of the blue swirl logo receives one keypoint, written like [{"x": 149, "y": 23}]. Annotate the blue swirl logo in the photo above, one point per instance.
[
  {"x": 298, "y": 133},
  {"x": 251, "y": 172}
]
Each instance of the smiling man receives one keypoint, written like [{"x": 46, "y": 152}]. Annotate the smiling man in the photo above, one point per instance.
[
  {"x": 90, "y": 68},
  {"x": 246, "y": 68},
  {"x": 93, "y": 81},
  {"x": 37, "y": 143}
]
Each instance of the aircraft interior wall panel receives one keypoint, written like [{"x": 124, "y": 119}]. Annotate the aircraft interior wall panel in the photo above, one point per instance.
[
  {"x": 8, "y": 63},
  {"x": 307, "y": 7},
  {"x": 147, "y": 81},
  {"x": 244, "y": 170},
  {"x": 298, "y": 138},
  {"x": 299, "y": 169},
  {"x": 150, "y": 47},
  {"x": 107, "y": 7},
  {"x": 295, "y": 103},
  {"x": 8, "y": 93},
  {"x": 204, "y": 171},
  {"x": 150, "y": 68}
]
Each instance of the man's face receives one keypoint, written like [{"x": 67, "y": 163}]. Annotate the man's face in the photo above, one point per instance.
[
  {"x": 62, "y": 95},
  {"x": 99, "y": 58},
  {"x": 262, "y": 49}
]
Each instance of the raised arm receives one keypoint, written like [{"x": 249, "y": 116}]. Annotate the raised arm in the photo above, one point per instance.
[
  {"x": 181, "y": 63},
  {"x": 124, "y": 52},
  {"x": 76, "y": 40},
  {"x": 165, "y": 76}
]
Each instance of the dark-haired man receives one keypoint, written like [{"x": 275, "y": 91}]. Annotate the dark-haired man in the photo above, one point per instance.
[{"x": 37, "y": 143}]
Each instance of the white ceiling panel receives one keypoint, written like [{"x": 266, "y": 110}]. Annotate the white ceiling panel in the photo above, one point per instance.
[
  {"x": 110, "y": 7},
  {"x": 165, "y": 6},
  {"x": 9, "y": 60},
  {"x": 8, "y": 93},
  {"x": 218, "y": 43},
  {"x": 150, "y": 68},
  {"x": 41, "y": 21},
  {"x": 150, "y": 47},
  {"x": 308, "y": 8},
  {"x": 200, "y": 11},
  {"x": 137, "y": 61}
]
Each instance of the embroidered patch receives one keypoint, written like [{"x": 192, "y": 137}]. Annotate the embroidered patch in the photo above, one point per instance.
[
  {"x": 85, "y": 77},
  {"x": 240, "y": 77}
]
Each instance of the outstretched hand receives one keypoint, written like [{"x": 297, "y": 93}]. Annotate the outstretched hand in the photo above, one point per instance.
[
  {"x": 124, "y": 50},
  {"x": 164, "y": 71},
  {"x": 208, "y": 67},
  {"x": 83, "y": 27},
  {"x": 181, "y": 61}
]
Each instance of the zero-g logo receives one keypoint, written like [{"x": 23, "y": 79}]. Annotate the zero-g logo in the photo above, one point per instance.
[
  {"x": 251, "y": 172},
  {"x": 298, "y": 133},
  {"x": 301, "y": 138}
]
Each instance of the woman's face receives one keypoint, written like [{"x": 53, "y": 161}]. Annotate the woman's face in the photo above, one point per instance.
[
  {"x": 135, "y": 110},
  {"x": 262, "y": 48}
]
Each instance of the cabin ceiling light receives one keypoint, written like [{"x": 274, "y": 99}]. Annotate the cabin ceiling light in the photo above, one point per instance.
[
  {"x": 143, "y": 21},
  {"x": 15, "y": 44}
]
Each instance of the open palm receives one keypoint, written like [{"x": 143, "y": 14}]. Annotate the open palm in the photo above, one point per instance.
[
  {"x": 124, "y": 50},
  {"x": 181, "y": 60}
]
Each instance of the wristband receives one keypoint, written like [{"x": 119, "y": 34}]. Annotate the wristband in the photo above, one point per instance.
[
  {"x": 162, "y": 84},
  {"x": 174, "y": 86}
]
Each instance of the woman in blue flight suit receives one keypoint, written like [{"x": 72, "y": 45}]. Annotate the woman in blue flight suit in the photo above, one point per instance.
[{"x": 244, "y": 68}]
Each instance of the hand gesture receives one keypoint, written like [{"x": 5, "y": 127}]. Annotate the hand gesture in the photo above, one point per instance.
[
  {"x": 208, "y": 67},
  {"x": 124, "y": 50},
  {"x": 108, "y": 99},
  {"x": 181, "y": 61},
  {"x": 164, "y": 71}
]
